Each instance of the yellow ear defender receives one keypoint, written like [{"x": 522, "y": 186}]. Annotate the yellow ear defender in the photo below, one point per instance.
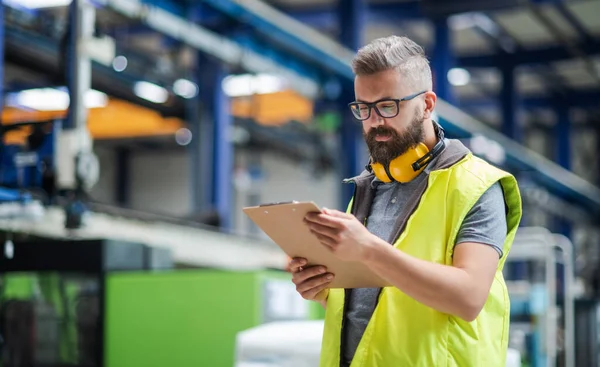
[{"x": 407, "y": 166}]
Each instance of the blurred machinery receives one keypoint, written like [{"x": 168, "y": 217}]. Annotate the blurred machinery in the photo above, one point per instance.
[
  {"x": 57, "y": 159},
  {"x": 53, "y": 296},
  {"x": 295, "y": 344},
  {"x": 118, "y": 304},
  {"x": 30, "y": 175},
  {"x": 278, "y": 344},
  {"x": 542, "y": 288}
]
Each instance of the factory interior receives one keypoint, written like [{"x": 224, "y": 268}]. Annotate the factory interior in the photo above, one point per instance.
[{"x": 135, "y": 132}]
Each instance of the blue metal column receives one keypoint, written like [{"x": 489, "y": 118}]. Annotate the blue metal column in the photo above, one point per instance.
[
  {"x": 443, "y": 60},
  {"x": 563, "y": 152},
  {"x": 71, "y": 72},
  {"x": 509, "y": 111},
  {"x": 201, "y": 146},
  {"x": 223, "y": 148},
  {"x": 1, "y": 58},
  {"x": 201, "y": 126},
  {"x": 78, "y": 64},
  {"x": 351, "y": 19},
  {"x": 212, "y": 151},
  {"x": 509, "y": 99},
  {"x": 563, "y": 136}
]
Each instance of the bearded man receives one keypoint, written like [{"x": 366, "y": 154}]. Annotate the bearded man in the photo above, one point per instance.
[{"x": 429, "y": 217}]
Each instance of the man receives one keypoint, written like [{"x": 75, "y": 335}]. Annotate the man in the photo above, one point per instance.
[{"x": 427, "y": 216}]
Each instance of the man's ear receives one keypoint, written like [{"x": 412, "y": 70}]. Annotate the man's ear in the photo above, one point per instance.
[{"x": 430, "y": 101}]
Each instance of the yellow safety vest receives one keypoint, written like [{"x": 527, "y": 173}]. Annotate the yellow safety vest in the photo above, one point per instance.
[{"x": 405, "y": 333}]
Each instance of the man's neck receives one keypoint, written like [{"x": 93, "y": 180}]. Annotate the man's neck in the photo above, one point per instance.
[{"x": 431, "y": 137}]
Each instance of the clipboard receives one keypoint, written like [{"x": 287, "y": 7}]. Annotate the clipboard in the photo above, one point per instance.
[{"x": 283, "y": 223}]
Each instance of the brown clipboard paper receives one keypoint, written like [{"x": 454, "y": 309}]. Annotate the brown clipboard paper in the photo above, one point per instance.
[{"x": 283, "y": 223}]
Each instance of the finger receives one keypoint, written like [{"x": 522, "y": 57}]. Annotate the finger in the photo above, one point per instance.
[
  {"x": 297, "y": 263},
  {"x": 325, "y": 220},
  {"x": 302, "y": 276},
  {"x": 328, "y": 242},
  {"x": 318, "y": 293},
  {"x": 322, "y": 295},
  {"x": 332, "y": 233},
  {"x": 314, "y": 282},
  {"x": 337, "y": 213}
]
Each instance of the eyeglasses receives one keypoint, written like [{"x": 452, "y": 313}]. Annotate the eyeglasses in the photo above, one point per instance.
[{"x": 386, "y": 108}]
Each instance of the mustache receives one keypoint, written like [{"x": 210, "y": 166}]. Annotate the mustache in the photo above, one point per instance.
[{"x": 381, "y": 130}]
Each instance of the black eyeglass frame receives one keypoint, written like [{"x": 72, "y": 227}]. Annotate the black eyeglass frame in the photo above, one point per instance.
[{"x": 373, "y": 105}]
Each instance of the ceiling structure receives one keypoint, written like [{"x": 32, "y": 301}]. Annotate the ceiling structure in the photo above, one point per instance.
[
  {"x": 558, "y": 40},
  {"x": 568, "y": 30},
  {"x": 555, "y": 45}
]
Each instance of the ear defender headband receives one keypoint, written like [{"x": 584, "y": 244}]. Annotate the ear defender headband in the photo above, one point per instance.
[{"x": 407, "y": 166}]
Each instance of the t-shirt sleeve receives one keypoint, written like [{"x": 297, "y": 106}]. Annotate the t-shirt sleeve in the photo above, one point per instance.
[{"x": 486, "y": 221}]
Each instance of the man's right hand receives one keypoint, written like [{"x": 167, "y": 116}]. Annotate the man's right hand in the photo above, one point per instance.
[{"x": 311, "y": 282}]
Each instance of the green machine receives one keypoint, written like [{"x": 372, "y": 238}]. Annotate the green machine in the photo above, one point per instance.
[
  {"x": 191, "y": 317},
  {"x": 105, "y": 303}
]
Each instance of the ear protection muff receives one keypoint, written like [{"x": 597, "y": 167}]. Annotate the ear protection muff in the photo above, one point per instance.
[{"x": 407, "y": 166}]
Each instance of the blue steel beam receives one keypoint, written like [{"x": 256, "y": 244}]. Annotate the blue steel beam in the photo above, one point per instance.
[
  {"x": 211, "y": 150},
  {"x": 509, "y": 100},
  {"x": 223, "y": 48},
  {"x": 581, "y": 99},
  {"x": 563, "y": 155},
  {"x": 72, "y": 65},
  {"x": 553, "y": 177},
  {"x": 326, "y": 16},
  {"x": 443, "y": 60},
  {"x": 540, "y": 55},
  {"x": 223, "y": 147},
  {"x": 563, "y": 136},
  {"x": 574, "y": 22},
  {"x": 1, "y": 58},
  {"x": 200, "y": 148},
  {"x": 351, "y": 19},
  {"x": 289, "y": 34}
]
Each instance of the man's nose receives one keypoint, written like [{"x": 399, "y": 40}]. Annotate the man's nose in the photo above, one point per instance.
[{"x": 375, "y": 120}]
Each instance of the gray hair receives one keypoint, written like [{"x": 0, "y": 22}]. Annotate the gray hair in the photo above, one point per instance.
[{"x": 394, "y": 52}]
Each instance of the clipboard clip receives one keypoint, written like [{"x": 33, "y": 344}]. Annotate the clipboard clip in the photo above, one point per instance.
[{"x": 279, "y": 203}]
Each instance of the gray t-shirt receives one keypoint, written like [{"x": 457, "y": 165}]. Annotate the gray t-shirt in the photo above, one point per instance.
[{"x": 483, "y": 224}]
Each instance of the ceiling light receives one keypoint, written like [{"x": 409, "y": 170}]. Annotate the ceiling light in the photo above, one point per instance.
[
  {"x": 37, "y": 4},
  {"x": 119, "y": 63},
  {"x": 459, "y": 77},
  {"x": 43, "y": 99},
  {"x": 185, "y": 88},
  {"x": 95, "y": 99},
  {"x": 248, "y": 84},
  {"x": 53, "y": 99},
  {"x": 151, "y": 92},
  {"x": 183, "y": 136}
]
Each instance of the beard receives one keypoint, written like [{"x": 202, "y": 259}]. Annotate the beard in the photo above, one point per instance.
[{"x": 385, "y": 151}]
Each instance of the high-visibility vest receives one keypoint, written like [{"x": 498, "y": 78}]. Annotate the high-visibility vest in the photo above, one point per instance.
[{"x": 404, "y": 332}]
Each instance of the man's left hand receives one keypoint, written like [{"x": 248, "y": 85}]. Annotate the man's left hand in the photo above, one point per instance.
[{"x": 341, "y": 233}]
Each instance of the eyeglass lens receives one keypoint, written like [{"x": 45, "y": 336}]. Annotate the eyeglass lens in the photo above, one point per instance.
[{"x": 386, "y": 109}]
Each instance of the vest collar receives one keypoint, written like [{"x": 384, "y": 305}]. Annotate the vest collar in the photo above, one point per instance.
[
  {"x": 452, "y": 153},
  {"x": 364, "y": 193}
]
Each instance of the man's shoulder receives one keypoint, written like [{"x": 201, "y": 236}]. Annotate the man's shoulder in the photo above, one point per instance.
[{"x": 478, "y": 169}]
